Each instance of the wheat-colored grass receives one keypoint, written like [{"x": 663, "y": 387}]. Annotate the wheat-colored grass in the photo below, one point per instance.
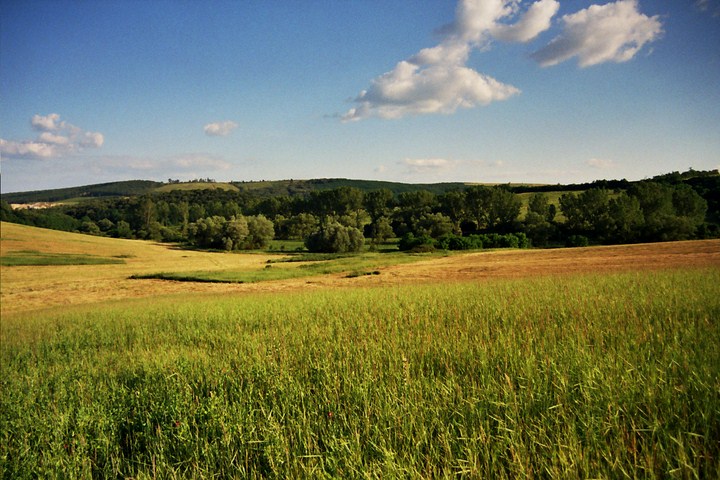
[{"x": 33, "y": 288}]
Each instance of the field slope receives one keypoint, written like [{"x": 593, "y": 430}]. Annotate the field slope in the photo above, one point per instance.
[{"x": 27, "y": 288}]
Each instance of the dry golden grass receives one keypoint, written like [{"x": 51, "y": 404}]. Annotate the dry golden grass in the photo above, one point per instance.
[
  {"x": 37, "y": 287},
  {"x": 26, "y": 289}
]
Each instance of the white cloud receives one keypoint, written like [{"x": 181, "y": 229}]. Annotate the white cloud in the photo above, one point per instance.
[
  {"x": 601, "y": 163},
  {"x": 47, "y": 123},
  {"x": 437, "y": 79},
  {"x": 90, "y": 139},
  {"x": 54, "y": 139},
  {"x": 613, "y": 32},
  {"x": 57, "y": 138},
  {"x": 427, "y": 165},
  {"x": 535, "y": 21},
  {"x": 220, "y": 129},
  {"x": 27, "y": 149}
]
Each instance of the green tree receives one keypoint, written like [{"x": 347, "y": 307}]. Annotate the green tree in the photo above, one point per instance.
[
  {"x": 260, "y": 232},
  {"x": 235, "y": 232},
  {"x": 302, "y": 225},
  {"x": 492, "y": 208},
  {"x": 377, "y": 203},
  {"x": 89, "y": 227},
  {"x": 689, "y": 204},
  {"x": 626, "y": 219},
  {"x": 332, "y": 237},
  {"x": 587, "y": 213},
  {"x": 411, "y": 207},
  {"x": 123, "y": 230},
  {"x": 538, "y": 223},
  {"x": 671, "y": 213},
  {"x": 162, "y": 212},
  {"x": 196, "y": 212},
  {"x": 180, "y": 213},
  {"x": 380, "y": 230},
  {"x": 336, "y": 202},
  {"x": 207, "y": 232},
  {"x": 540, "y": 205},
  {"x": 146, "y": 213},
  {"x": 105, "y": 225},
  {"x": 435, "y": 225},
  {"x": 453, "y": 204}
]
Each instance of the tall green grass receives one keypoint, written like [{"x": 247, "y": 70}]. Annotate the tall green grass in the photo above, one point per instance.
[{"x": 580, "y": 377}]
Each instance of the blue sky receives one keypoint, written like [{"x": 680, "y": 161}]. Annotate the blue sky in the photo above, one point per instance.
[{"x": 540, "y": 91}]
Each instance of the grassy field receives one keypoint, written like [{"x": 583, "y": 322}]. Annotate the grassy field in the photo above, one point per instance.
[{"x": 535, "y": 364}]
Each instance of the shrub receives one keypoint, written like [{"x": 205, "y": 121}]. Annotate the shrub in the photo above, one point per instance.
[
  {"x": 411, "y": 242},
  {"x": 458, "y": 242},
  {"x": 577, "y": 241}
]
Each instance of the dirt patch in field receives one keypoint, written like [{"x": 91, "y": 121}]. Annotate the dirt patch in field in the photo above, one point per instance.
[{"x": 52, "y": 287}]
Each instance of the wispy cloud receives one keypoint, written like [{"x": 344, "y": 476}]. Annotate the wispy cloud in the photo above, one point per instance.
[
  {"x": 601, "y": 163},
  {"x": 613, "y": 32},
  {"x": 417, "y": 166},
  {"x": 174, "y": 165},
  {"x": 426, "y": 165},
  {"x": 220, "y": 129},
  {"x": 56, "y": 138},
  {"x": 709, "y": 6},
  {"x": 437, "y": 79}
]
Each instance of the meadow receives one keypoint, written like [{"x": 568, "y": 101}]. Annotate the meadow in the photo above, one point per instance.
[{"x": 588, "y": 373}]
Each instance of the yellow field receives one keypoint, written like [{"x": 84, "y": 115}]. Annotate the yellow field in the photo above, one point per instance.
[
  {"x": 29, "y": 288},
  {"x": 36, "y": 287}
]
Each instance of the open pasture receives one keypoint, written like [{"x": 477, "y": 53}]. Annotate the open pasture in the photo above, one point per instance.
[
  {"x": 583, "y": 363},
  {"x": 29, "y": 288}
]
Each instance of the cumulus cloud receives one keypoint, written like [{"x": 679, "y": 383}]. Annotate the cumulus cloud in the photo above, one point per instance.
[
  {"x": 613, "y": 32},
  {"x": 47, "y": 123},
  {"x": 220, "y": 129},
  {"x": 437, "y": 79},
  {"x": 601, "y": 163},
  {"x": 535, "y": 21},
  {"x": 26, "y": 149},
  {"x": 56, "y": 138}
]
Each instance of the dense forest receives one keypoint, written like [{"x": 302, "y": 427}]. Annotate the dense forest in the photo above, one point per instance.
[{"x": 342, "y": 215}]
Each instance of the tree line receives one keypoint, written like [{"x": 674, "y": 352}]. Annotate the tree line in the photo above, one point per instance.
[{"x": 346, "y": 218}]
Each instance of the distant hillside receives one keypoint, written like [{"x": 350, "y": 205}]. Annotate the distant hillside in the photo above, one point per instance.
[
  {"x": 274, "y": 188},
  {"x": 197, "y": 186},
  {"x": 706, "y": 181},
  {"x": 114, "y": 189},
  {"x": 259, "y": 189}
]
